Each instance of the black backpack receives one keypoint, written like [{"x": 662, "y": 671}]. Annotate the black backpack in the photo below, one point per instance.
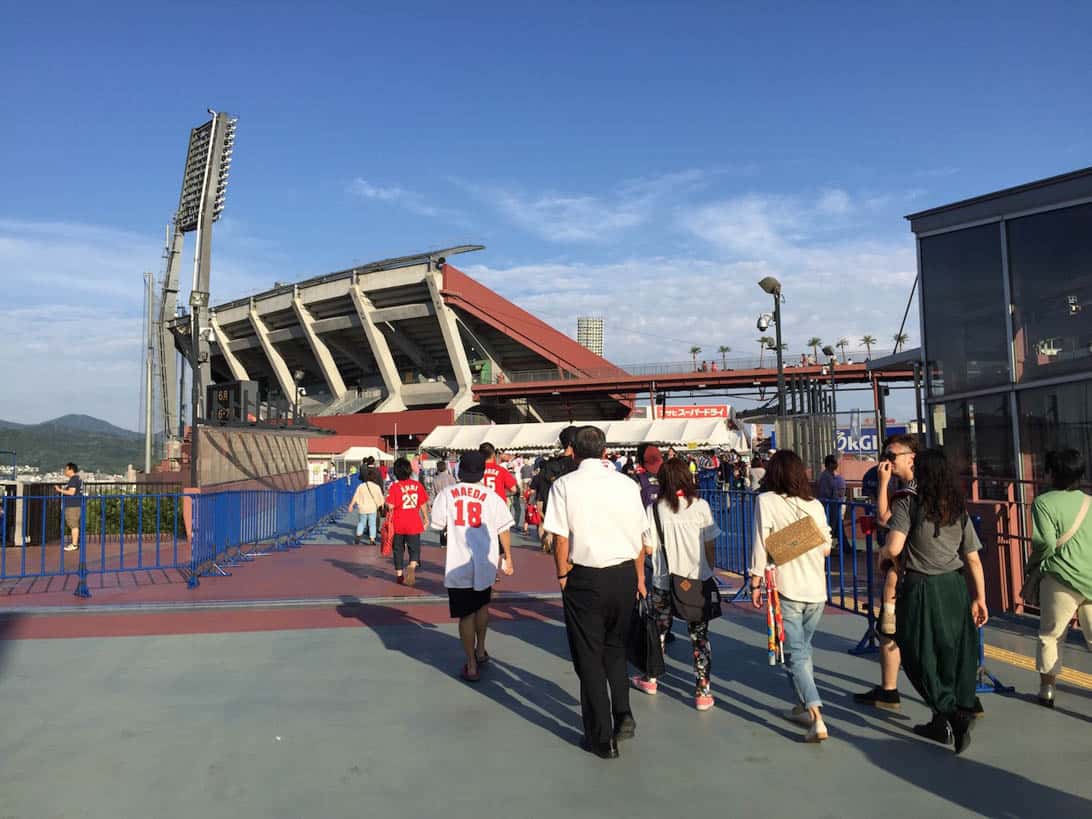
[{"x": 551, "y": 471}]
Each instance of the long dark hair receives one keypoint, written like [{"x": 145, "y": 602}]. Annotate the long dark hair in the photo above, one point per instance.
[
  {"x": 939, "y": 496},
  {"x": 787, "y": 475},
  {"x": 676, "y": 482}
]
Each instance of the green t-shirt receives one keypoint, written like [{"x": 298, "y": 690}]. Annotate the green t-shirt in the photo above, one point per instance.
[
  {"x": 927, "y": 550},
  {"x": 1052, "y": 514}
]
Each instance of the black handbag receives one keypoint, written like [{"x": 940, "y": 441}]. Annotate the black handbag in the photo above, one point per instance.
[
  {"x": 643, "y": 647},
  {"x": 691, "y": 600}
]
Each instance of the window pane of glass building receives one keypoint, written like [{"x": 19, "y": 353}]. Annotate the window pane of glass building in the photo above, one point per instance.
[
  {"x": 964, "y": 308},
  {"x": 978, "y": 431},
  {"x": 1056, "y": 417},
  {"x": 1050, "y": 261}
]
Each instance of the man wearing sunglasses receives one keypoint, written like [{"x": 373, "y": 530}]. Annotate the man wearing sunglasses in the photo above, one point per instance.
[{"x": 895, "y": 474}]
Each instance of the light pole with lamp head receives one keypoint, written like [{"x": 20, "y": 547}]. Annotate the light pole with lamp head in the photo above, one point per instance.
[{"x": 773, "y": 287}]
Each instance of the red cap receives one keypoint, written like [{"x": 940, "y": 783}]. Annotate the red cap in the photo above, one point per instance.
[{"x": 653, "y": 459}]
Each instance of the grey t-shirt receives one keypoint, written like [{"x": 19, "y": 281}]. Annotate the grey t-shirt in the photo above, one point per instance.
[{"x": 926, "y": 552}]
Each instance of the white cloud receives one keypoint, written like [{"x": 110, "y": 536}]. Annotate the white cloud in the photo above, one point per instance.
[
  {"x": 577, "y": 217},
  {"x": 410, "y": 200},
  {"x": 73, "y": 312}
]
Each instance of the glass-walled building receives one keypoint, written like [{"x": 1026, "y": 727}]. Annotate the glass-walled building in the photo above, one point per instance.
[{"x": 1006, "y": 312}]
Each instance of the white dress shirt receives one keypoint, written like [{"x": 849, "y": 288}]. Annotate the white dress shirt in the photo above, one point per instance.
[{"x": 600, "y": 511}]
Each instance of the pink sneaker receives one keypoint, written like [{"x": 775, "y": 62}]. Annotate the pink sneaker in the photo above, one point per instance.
[
  {"x": 641, "y": 684},
  {"x": 703, "y": 702}
]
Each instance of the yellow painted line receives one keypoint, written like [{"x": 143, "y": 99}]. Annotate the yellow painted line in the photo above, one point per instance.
[{"x": 1070, "y": 676}]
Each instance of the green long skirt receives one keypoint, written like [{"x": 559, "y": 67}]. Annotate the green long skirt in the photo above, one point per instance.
[{"x": 938, "y": 640}]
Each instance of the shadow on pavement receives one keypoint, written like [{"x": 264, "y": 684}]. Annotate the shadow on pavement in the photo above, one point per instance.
[
  {"x": 7, "y": 634},
  {"x": 507, "y": 685}
]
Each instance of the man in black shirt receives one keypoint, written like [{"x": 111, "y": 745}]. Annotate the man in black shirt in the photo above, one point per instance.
[
  {"x": 70, "y": 503},
  {"x": 551, "y": 470}
]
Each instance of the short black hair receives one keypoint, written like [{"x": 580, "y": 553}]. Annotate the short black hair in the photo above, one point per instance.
[
  {"x": 830, "y": 462},
  {"x": 487, "y": 450},
  {"x": 567, "y": 436},
  {"x": 441, "y": 466},
  {"x": 589, "y": 442},
  {"x": 72, "y": 466},
  {"x": 402, "y": 469},
  {"x": 1065, "y": 467}
]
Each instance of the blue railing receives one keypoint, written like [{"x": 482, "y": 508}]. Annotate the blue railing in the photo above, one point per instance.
[
  {"x": 147, "y": 532},
  {"x": 850, "y": 569}
]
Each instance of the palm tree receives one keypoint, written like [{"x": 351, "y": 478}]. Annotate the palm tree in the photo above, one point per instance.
[
  {"x": 694, "y": 353},
  {"x": 764, "y": 344},
  {"x": 868, "y": 341},
  {"x": 723, "y": 350},
  {"x": 900, "y": 340},
  {"x": 814, "y": 342},
  {"x": 842, "y": 344}
]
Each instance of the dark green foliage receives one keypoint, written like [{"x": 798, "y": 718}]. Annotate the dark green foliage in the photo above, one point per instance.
[{"x": 139, "y": 514}]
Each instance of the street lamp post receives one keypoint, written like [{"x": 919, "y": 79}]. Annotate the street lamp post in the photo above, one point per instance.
[{"x": 773, "y": 287}]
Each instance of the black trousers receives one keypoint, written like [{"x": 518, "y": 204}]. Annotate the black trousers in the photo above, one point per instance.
[{"x": 598, "y": 604}]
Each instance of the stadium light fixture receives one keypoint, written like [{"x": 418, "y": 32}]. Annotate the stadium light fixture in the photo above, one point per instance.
[{"x": 770, "y": 285}]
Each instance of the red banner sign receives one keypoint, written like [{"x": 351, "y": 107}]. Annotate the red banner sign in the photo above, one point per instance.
[{"x": 679, "y": 413}]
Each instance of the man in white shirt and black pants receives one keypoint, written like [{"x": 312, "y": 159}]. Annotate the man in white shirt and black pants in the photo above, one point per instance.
[{"x": 597, "y": 519}]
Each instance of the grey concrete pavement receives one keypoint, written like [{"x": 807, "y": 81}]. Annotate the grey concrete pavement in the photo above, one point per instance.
[{"x": 371, "y": 721}]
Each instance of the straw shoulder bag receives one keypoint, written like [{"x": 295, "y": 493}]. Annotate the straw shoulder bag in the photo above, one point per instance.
[{"x": 799, "y": 537}]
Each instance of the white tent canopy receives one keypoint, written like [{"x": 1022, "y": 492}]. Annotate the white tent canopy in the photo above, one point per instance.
[
  {"x": 359, "y": 453},
  {"x": 706, "y": 433}
]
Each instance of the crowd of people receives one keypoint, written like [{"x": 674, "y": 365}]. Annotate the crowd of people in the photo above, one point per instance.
[{"x": 634, "y": 527}]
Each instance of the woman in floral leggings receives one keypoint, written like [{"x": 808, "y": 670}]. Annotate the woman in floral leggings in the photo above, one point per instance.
[{"x": 689, "y": 535}]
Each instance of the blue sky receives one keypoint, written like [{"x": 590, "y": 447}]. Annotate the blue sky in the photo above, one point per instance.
[{"x": 645, "y": 161}]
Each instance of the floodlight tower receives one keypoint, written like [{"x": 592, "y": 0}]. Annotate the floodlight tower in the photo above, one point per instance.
[{"x": 204, "y": 189}]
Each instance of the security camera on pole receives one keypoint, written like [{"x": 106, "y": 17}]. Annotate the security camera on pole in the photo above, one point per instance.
[{"x": 773, "y": 287}]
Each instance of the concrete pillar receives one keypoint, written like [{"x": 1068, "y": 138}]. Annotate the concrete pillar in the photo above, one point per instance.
[
  {"x": 238, "y": 371},
  {"x": 275, "y": 359},
  {"x": 321, "y": 352},
  {"x": 464, "y": 397},
  {"x": 382, "y": 352}
]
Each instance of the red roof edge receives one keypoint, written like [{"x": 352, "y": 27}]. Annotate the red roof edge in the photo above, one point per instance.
[{"x": 463, "y": 292}]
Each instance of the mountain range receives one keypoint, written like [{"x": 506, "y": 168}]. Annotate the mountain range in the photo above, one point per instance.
[{"x": 93, "y": 444}]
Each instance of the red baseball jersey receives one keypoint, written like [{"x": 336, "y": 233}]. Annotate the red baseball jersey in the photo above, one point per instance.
[
  {"x": 406, "y": 499},
  {"x": 499, "y": 479}
]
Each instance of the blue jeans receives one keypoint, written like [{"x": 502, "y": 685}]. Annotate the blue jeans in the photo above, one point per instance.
[
  {"x": 801, "y": 620},
  {"x": 365, "y": 520}
]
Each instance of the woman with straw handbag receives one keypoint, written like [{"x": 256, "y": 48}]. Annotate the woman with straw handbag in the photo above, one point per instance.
[{"x": 791, "y": 532}]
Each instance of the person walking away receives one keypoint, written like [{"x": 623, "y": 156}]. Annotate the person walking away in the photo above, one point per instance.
[
  {"x": 935, "y": 622},
  {"x": 443, "y": 480},
  {"x": 497, "y": 478},
  {"x": 70, "y": 504},
  {"x": 548, "y": 474},
  {"x": 756, "y": 475},
  {"x": 477, "y": 522},
  {"x": 526, "y": 474},
  {"x": 686, "y": 549},
  {"x": 801, "y": 582},
  {"x": 648, "y": 472},
  {"x": 407, "y": 505},
  {"x": 1061, "y": 551},
  {"x": 366, "y": 501},
  {"x": 831, "y": 489},
  {"x": 597, "y": 520},
  {"x": 515, "y": 498}
]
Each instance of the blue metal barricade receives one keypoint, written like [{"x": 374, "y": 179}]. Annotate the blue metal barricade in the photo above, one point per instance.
[{"x": 148, "y": 532}]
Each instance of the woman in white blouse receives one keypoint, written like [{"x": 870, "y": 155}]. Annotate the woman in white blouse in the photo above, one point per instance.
[
  {"x": 801, "y": 583},
  {"x": 689, "y": 537}
]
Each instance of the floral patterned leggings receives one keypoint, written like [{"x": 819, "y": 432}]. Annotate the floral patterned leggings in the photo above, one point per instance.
[{"x": 699, "y": 638}]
